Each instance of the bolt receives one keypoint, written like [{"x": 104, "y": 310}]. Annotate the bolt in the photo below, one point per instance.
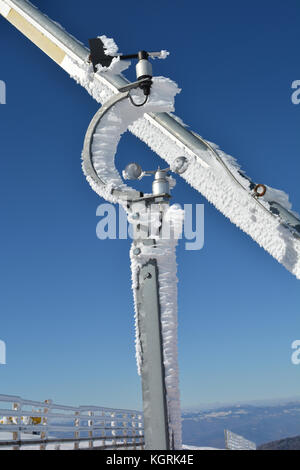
[
  {"x": 148, "y": 276},
  {"x": 136, "y": 251}
]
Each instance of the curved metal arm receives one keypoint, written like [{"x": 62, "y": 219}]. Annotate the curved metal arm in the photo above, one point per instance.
[{"x": 87, "y": 160}]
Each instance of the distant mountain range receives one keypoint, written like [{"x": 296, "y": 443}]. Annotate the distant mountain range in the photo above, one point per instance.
[
  {"x": 260, "y": 424},
  {"x": 291, "y": 443}
]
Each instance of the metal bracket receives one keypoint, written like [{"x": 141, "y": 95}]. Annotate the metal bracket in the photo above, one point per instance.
[{"x": 88, "y": 166}]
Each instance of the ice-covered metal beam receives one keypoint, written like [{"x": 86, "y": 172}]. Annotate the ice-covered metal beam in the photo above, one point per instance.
[
  {"x": 268, "y": 219},
  {"x": 42, "y": 31},
  {"x": 59, "y": 45}
]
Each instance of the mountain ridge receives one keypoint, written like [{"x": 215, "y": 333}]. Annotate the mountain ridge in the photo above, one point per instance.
[{"x": 260, "y": 424}]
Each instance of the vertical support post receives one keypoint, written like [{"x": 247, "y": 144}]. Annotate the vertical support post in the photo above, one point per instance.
[
  {"x": 44, "y": 420},
  {"x": 16, "y": 434},
  {"x": 113, "y": 431},
  {"x": 124, "y": 426},
  {"x": 141, "y": 432},
  {"x": 76, "y": 433},
  {"x": 103, "y": 432},
  {"x": 152, "y": 370},
  {"x": 91, "y": 428}
]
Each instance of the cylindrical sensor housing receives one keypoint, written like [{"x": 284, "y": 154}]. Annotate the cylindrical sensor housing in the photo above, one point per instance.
[
  {"x": 143, "y": 69},
  {"x": 160, "y": 184}
]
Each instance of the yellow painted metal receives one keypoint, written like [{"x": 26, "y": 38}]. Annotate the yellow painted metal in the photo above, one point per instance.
[{"x": 36, "y": 36}]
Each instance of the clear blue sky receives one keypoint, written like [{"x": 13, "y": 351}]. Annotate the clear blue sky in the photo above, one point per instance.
[{"x": 66, "y": 302}]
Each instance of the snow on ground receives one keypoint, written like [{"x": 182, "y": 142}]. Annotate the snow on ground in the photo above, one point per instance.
[
  {"x": 7, "y": 436},
  {"x": 187, "y": 447}
]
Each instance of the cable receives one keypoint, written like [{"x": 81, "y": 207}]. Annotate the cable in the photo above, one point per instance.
[{"x": 136, "y": 104}]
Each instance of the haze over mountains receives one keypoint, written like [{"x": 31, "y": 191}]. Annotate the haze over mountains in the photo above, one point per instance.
[{"x": 258, "y": 423}]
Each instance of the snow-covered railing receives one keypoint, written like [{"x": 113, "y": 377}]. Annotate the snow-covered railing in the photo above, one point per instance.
[{"x": 28, "y": 424}]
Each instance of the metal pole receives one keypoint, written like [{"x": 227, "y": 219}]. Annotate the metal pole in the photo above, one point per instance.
[
  {"x": 156, "y": 413},
  {"x": 157, "y": 428},
  {"x": 152, "y": 370},
  {"x": 63, "y": 49}
]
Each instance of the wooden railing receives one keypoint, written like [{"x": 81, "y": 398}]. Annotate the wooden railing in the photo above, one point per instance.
[{"x": 48, "y": 426}]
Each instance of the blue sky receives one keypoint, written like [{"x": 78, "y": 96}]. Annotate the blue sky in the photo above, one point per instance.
[{"x": 66, "y": 302}]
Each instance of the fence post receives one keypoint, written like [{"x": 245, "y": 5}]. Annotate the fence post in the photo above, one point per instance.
[
  {"x": 76, "y": 433},
  {"x": 114, "y": 428},
  {"x": 141, "y": 432},
  {"x": 104, "y": 429},
  {"x": 125, "y": 430},
  {"x": 113, "y": 432},
  {"x": 133, "y": 424},
  {"x": 103, "y": 439},
  {"x": 16, "y": 434},
  {"x": 91, "y": 426},
  {"x": 44, "y": 421}
]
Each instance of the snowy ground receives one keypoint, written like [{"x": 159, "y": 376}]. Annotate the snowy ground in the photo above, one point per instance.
[
  {"x": 7, "y": 436},
  {"x": 184, "y": 447}
]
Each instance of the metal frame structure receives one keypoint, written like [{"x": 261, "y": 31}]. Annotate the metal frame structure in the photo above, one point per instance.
[
  {"x": 88, "y": 166},
  {"x": 156, "y": 416},
  {"x": 58, "y": 44},
  {"x": 88, "y": 427},
  {"x": 62, "y": 47}
]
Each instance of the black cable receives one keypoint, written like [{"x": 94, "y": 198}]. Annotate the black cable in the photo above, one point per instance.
[{"x": 136, "y": 104}]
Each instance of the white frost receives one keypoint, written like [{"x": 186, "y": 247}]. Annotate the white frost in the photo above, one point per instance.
[
  {"x": 213, "y": 181},
  {"x": 163, "y": 54},
  {"x": 104, "y": 146},
  {"x": 114, "y": 123},
  {"x": 165, "y": 254}
]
